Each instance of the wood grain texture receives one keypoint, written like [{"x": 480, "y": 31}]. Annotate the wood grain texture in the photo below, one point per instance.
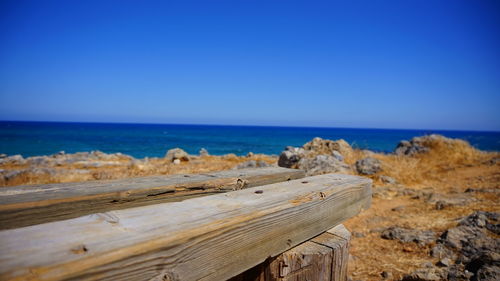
[
  {"x": 323, "y": 258},
  {"x": 28, "y": 205},
  {"x": 338, "y": 239},
  {"x": 208, "y": 238}
]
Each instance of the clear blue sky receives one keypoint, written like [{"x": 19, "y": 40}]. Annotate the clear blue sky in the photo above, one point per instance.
[{"x": 377, "y": 64}]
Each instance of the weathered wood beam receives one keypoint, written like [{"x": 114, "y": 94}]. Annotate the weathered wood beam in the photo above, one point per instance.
[
  {"x": 208, "y": 238},
  {"x": 323, "y": 258},
  {"x": 27, "y": 205}
]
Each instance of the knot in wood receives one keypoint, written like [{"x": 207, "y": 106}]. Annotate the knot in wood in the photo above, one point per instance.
[{"x": 240, "y": 184}]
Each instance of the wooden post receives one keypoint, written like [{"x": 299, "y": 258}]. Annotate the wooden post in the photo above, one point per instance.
[{"x": 323, "y": 258}]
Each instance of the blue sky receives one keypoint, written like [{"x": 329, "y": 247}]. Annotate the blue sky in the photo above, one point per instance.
[{"x": 375, "y": 64}]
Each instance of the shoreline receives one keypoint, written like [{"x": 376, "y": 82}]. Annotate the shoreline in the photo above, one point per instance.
[{"x": 334, "y": 157}]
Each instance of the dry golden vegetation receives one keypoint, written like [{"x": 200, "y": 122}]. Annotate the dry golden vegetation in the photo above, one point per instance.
[
  {"x": 445, "y": 155},
  {"x": 448, "y": 170},
  {"x": 111, "y": 166}
]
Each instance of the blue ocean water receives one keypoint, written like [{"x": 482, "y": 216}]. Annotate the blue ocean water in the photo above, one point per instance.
[{"x": 153, "y": 140}]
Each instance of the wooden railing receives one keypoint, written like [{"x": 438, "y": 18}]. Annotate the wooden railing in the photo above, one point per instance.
[{"x": 88, "y": 231}]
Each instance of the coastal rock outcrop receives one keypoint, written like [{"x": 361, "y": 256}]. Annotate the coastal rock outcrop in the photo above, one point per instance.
[
  {"x": 322, "y": 164},
  {"x": 410, "y": 148},
  {"x": 319, "y": 156},
  {"x": 291, "y": 156},
  {"x": 319, "y": 146},
  {"x": 368, "y": 166},
  {"x": 14, "y": 159},
  {"x": 176, "y": 153},
  {"x": 424, "y": 144}
]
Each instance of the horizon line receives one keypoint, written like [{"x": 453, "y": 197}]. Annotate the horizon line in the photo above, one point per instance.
[{"x": 247, "y": 125}]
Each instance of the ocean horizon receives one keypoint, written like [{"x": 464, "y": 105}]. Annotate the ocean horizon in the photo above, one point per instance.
[{"x": 35, "y": 138}]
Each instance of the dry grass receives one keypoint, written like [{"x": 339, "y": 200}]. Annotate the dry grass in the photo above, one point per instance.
[
  {"x": 125, "y": 168},
  {"x": 445, "y": 155},
  {"x": 449, "y": 168}
]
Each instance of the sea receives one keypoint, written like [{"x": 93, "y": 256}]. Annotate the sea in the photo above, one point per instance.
[{"x": 153, "y": 140}]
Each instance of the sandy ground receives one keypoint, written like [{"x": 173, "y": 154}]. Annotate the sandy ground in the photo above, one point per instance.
[{"x": 371, "y": 255}]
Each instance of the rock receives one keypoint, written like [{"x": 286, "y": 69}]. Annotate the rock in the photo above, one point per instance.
[
  {"x": 39, "y": 160},
  {"x": 440, "y": 251},
  {"x": 426, "y": 274},
  {"x": 424, "y": 144},
  {"x": 422, "y": 237},
  {"x": 482, "y": 190},
  {"x": 481, "y": 219},
  {"x": 406, "y": 191},
  {"x": 388, "y": 180},
  {"x": 485, "y": 266},
  {"x": 176, "y": 153},
  {"x": 444, "y": 262},
  {"x": 471, "y": 236},
  {"x": 440, "y": 205},
  {"x": 290, "y": 157},
  {"x": 322, "y": 164},
  {"x": 368, "y": 166},
  {"x": 477, "y": 247},
  {"x": 456, "y": 237},
  {"x": 457, "y": 272},
  {"x": 386, "y": 275},
  {"x": 176, "y": 161},
  {"x": 11, "y": 175},
  {"x": 252, "y": 164},
  {"x": 60, "y": 153},
  {"x": 250, "y": 154},
  {"x": 337, "y": 155},
  {"x": 408, "y": 148},
  {"x": 323, "y": 146},
  {"x": 446, "y": 200},
  {"x": 203, "y": 152},
  {"x": 41, "y": 171},
  {"x": 3, "y": 155},
  {"x": 411, "y": 148},
  {"x": 14, "y": 159},
  {"x": 488, "y": 273},
  {"x": 97, "y": 154}
]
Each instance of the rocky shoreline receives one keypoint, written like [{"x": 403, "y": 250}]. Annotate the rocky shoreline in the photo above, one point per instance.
[
  {"x": 435, "y": 212},
  {"x": 319, "y": 156}
]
